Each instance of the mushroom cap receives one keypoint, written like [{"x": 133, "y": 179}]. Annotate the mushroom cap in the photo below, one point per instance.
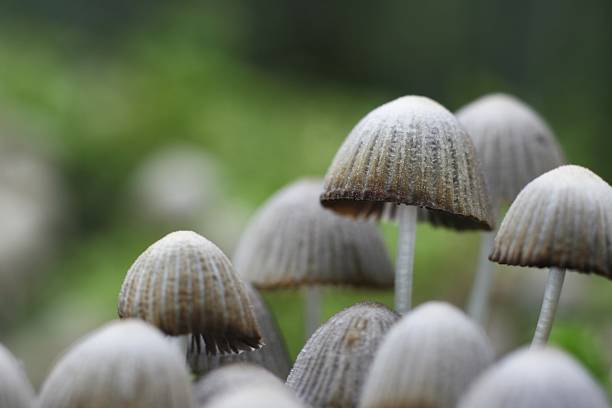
[
  {"x": 122, "y": 364},
  {"x": 184, "y": 284},
  {"x": 561, "y": 219},
  {"x": 272, "y": 355},
  {"x": 409, "y": 151},
  {"x": 257, "y": 396},
  {"x": 15, "y": 388},
  {"x": 514, "y": 144},
  {"x": 427, "y": 359},
  {"x": 294, "y": 241},
  {"x": 535, "y": 378},
  {"x": 331, "y": 368}
]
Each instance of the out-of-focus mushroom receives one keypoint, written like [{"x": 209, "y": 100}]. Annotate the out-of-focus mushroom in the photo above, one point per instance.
[
  {"x": 535, "y": 378},
  {"x": 123, "y": 364},
  {"x": 331, "y": 368},
  {"x": 562, "y": 219},
  {"x": 410, "y": 152},
  {"x": 514, "y": 145},
  {"x": 428, "y": 359},
  {"x": 293, "y": 241},
  {"x": 184, "y": 284},
  {"x": 257, "y": 396},
  {"x": 15, "y": 389}
]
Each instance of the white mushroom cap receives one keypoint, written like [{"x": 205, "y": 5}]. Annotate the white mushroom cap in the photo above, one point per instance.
[
  {"x": 260, "y": 396},
  {"x": 15, "y": 389}
]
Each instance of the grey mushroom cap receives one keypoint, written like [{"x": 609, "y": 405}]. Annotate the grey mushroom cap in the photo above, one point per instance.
[
  {"x": 265, "y": 396},
  {"x": 428, "y": 359},
  {"x": 331, "y": 368},
  {"x": 272, "y": 355},
  {"x": 293, "y": 241},
  {"x": 561, "y": 219},
  {"x": 535, "y": 378},
  {"x": 184, "y": 284},
  {"x": 409, "y": 151},
  {"x": 15, "y": 388},
  {"x": 514, "y": 144},
  {"x": 125, "y": 363}
]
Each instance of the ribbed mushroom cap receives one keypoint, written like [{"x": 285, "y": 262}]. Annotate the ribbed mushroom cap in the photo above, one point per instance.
[
  {"x": 561, "y": 219},
  {"x": 184, "y": 284},
  {"x": 427, "y": 359},
  {"x": 513, "y": 143},
  {"x": 331, "y": 368},
  {"x": 15, "y": 388},
  {"x": 535, "y": 378},
  {"x": 409, "y": 151},
  {"x": 123, "y": 364},
  {"x": 263, "y": 396},
  {"x": 293, "y": 241},
  {"x": 230, "y": 378},
  {"x": 272, "y": 355}
]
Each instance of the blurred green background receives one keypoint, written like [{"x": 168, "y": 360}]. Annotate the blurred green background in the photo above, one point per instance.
[{"x": 122, "y": 121}]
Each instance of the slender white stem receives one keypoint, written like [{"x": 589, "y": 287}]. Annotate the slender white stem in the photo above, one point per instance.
[
  {"x": 478, "y": 305},
  {"x": 312, "y": 310},
  {"x": 407, "y": 215},
  {"x": 554, "y": 284}
]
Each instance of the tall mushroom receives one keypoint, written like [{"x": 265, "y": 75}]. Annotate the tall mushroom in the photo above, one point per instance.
[
  {"x": 414, "y": 153},
  {"x": 561, "y": 220},
  {"x": 514, "y": 145},
  {"x": 293, "y": 241}
]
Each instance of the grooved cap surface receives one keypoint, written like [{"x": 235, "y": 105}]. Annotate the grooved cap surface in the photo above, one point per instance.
[
  {"x": 561, "y": 219},
  {"x": 292, "y": 241},
  {"x": 184, "y": 284},
  {"x": 409, "y": 151}
]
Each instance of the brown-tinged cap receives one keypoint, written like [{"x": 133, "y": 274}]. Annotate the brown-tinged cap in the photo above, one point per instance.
[
  {"x": 293, "y": 240},
  {"x": 561, "y": 219},
  {"x": 409, "y": 151},
  {"x": 184, "y": 284},
  {"x": 514, "y": 144}
]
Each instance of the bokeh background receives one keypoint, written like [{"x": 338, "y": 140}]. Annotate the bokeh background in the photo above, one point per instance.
[{"x": 122, "y": 121}]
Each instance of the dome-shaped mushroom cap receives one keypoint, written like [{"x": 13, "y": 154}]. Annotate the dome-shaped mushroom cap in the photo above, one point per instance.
[
  {"x": 293, "y": 241},
  {"x": 230, "y": 378},
  {"x": 272, "y": 355},
  {"x": 561, "y": 219},
  {"x": 331, "y": 368},
  {"x": 262, "y": 396},
  {"x": 513, "y": 143},
  {"x": 123, "y": 364},
  {"x": 428, "y": 359},
  {"x": 409, "y": 151},
  {"x": 184, "y": 284},
  {"x": 535, "y": 378},
  {"x": 15, "y": 389}
]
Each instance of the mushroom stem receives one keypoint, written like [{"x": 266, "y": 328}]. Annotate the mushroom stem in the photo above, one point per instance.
[
  {"x": 407, "y": 215},
  {"x": 313, "y": 310},
  {"x": 549, "y": 306},
  {"x": 478, "y": 305}
]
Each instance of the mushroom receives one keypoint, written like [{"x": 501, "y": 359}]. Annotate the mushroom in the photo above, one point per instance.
[
  {"x": 562, "y": 219},
  {"x": 535, "y": 378},
  {"x": 331, "y": 368},
  {"x": 414, "y": 153},
  {"x": 15, "y": 389},
  {"x": 293, "y": 241},
  {"x": 184, "y": 284},
  {"x": 272, "y": 355},
  {"x": 257, "y": 396},
  {"x": 122, "y": 364},
  {"x": 428, "y": 359},
  {"x": 514, "y": 145}
]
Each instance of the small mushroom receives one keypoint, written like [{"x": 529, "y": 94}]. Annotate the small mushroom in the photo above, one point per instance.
[
  {"x": 535, "y": 378},
  {"x": 293, "y": 241},
  {"x": 15, "y": 388},
  {"x": 123, "y": 364},
  {"x": 514, "y": 145},
  {"x": 262, "y": 396},
  {"x": 428, "y": 359},
  {"x": 272, "y": 355},
  {"x": 562, "y": 219},
  {"x": 331, "y": 368},
  {"x": 184, "y": 284},
  {"x": 411, "y": 152}
]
